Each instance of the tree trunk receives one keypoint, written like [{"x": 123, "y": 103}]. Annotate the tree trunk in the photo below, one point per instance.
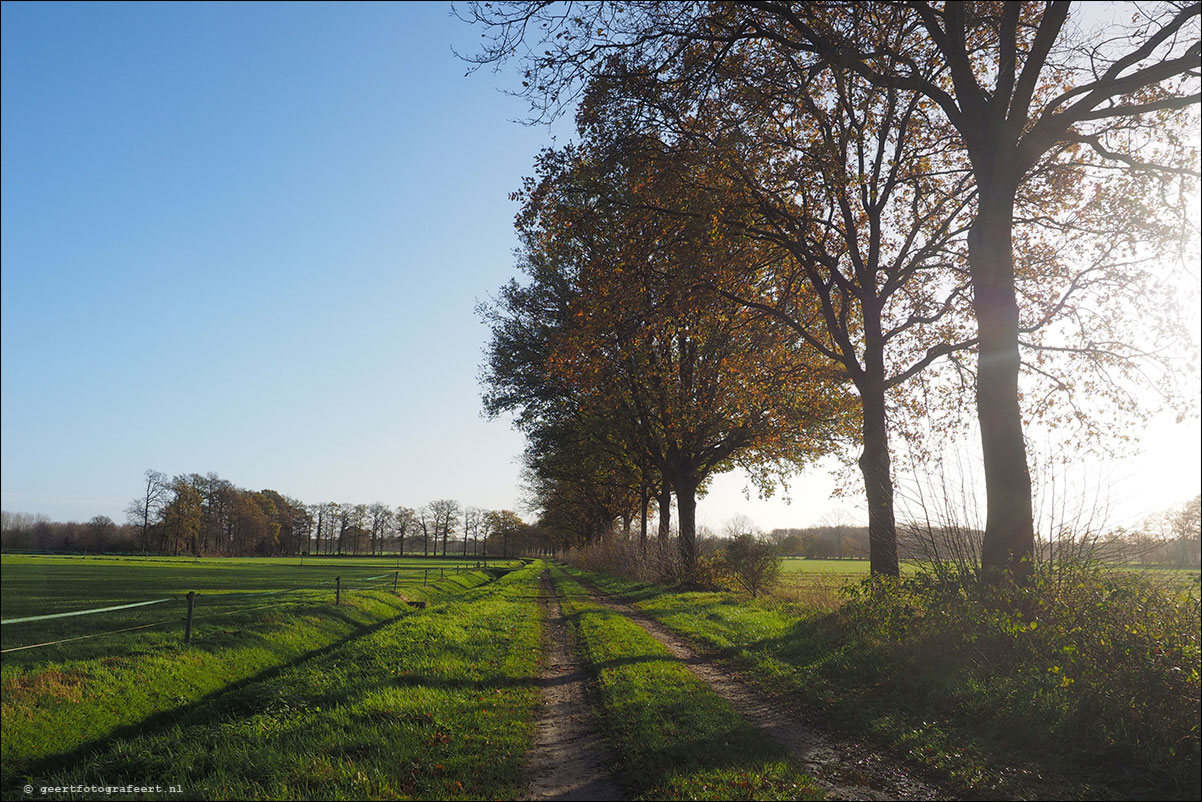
[
  {"x": 643, "y": 500},
  {"x": 1009, "y": 543},
  {"x": 878, "y": 480},
  {"x": 664, "y": 501},
  {"x": 686, "y": 506}
]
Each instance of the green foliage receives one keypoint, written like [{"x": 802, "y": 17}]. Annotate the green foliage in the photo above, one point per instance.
[{"x": 1085, "y": 660}]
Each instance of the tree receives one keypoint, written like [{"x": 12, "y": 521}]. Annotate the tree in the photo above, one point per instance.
[
  {"x": 404, "y": 521},
  {"x": 1009, "y": 79},
  {"x": 866, "y": 202},
  {"x": 381, "y": 518},
  {"x": 145, "y": 508},
  {"x": 700, "y": 387},
  {"x": 182, "y": 516},
  {"x": 504, "y": 524}
]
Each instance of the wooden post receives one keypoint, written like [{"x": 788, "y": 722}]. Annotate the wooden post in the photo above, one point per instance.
[
  {"x": 442, "y": 573},
  {"x": 395, "y": 578},
  {"x": 188, "y": 622},
  {"x": 337, "y": 590}
]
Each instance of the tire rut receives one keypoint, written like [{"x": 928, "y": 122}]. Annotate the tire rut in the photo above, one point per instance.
[
  {"x": 569, "y": 757},
  {"x": 844, "y": 769}
]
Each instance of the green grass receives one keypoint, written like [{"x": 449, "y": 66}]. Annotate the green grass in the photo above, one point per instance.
[
  {"x": 438, "y": 704},
  {"x": 1092, "y": 693},
  {"x": 673, "y": 737},
  {"x": 39, "y": 585},
  {"x": 59, "y": 698}
]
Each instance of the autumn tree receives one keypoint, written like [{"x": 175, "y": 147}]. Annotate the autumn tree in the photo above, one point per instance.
[
  {"x": 404, "y": 521},
  {"x": 381, "y": 518},
  {"x": 503, "y": 524},
  {"x": 867, "y": 206},
  {"x": 1014, "y": 82},
  {"x": 702, "y": 387},
  {"x": 182, "y": 517}
]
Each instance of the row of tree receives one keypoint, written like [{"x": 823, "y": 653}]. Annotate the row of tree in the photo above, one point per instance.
[
  {"x": 209, "y": 516},
  {"x": 1171, "y": 538},
  {"x": 787, "y": 227}
]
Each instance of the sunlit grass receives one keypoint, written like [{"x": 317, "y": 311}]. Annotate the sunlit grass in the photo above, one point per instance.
[
  {"x": 673, "y": 737},
  {"x": 58, "y": 698},
  {"x": 437, "y": 704},
  {"x": 1093, "y": 691}
]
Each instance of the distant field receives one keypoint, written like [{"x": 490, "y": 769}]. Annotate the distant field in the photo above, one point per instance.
[
  {"x": 818, "y": 581},
  {"x": 798, "y": 565}
]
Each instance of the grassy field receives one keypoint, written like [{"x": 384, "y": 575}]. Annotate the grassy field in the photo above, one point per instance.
[
  {"x": 59, "y": 698},
  {"x": 673, "y": 737},
  {"x": 817, "y": 583},
  {"x": 41, "y": 585},
  {"x": 436, "y": 704}
]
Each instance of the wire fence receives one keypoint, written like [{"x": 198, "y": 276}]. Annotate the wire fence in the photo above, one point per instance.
[{"x": 388, "y": 581}]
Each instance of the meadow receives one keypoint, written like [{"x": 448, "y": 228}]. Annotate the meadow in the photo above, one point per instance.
[
  {"x": 113, "y": 671},
  {"x": 433, "y": 703}
]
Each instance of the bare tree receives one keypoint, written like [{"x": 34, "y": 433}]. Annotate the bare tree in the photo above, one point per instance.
[{"x": 145, "y": 508}]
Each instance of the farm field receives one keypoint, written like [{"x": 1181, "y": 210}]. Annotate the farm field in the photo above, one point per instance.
[
  {"x": 44, "y": 585},
  {"x": 818, "y": 582},
  {"x": 436, "y": 703},
  {"x": 250, "y": 616}
]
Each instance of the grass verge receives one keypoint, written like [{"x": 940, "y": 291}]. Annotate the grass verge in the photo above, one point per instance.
[
  {"x": 673, "y": 737},
  {"x": 1080, "y": 689},
  {"x": 437, "y": 705}
]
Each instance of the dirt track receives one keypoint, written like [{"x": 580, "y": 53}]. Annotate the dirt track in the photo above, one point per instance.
[
  {"x": 845, "y": 770},
  {"x": 569, "y": 757}
]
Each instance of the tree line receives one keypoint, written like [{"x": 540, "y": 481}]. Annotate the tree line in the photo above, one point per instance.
[
  {"x": 790, "y": 228},
  {"x": 207, "y": 516}
]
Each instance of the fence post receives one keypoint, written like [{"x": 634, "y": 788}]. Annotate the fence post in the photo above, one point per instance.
[
  {"x": 337, "y": 590},
  {"x": 442, "y": 573},
  {"x": 188, "y": 622},
  {"x": 395, "y": 578},
  {"x": 426, "y": 578}
]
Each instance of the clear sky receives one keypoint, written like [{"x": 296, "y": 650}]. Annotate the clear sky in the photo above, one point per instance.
[{"x": 250, "y": 238}]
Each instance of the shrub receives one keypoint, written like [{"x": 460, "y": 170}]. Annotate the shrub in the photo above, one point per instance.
[
  {"x": 752, "y": 563},
  {"x": 1086, "y": 661}
]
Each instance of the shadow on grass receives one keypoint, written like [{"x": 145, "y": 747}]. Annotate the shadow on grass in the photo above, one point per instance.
[{"x": 222, "y": 701}]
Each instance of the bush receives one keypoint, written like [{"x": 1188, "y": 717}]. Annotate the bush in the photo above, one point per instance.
[
  {"x": 752, "y": 563},
  {"x": 1090, "y": 662}
]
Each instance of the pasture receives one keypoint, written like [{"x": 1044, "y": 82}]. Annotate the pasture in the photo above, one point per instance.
[
  {"x": 73, "y": 680},
  {"x": 436, "y": 704}
]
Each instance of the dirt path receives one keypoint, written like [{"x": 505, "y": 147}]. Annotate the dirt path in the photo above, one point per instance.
[
  {"x": 845, "y": 769},
  {"x": 569, "y": 757}
]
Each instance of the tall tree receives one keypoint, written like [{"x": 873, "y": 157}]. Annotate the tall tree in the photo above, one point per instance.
[
  {"x": 701, "y": 387},
  {"x": 1011, "y": 80}
]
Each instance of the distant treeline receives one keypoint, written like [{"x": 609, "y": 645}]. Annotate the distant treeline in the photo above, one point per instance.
[
  {"x": 1172, "y": 538},
  {"x": 192, "y": 514}
]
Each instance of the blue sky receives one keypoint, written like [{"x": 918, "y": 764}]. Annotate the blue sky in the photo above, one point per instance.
[{"x": 249, "y": 239}]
